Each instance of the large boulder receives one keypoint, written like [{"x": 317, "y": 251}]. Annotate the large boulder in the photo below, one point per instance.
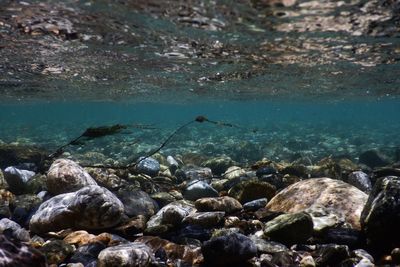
[
  {"x": 334, "y": 197},
  {"x": 67, "y": 176},
  {"x": 380, "y": 218},
  {"x": 228, "y": 250},
  {"x": 92, "y": 207},
  {"x": 126, "y": 255}
]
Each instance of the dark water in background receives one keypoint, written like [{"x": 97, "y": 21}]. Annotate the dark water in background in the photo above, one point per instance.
[{"x": 300, "y": 78}]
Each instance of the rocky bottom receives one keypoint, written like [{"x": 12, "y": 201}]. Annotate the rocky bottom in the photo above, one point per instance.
[{"x": 162, "y": 211}]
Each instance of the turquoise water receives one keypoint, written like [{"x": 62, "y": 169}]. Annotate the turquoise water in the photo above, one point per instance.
[{"x": 275, "y": 129}]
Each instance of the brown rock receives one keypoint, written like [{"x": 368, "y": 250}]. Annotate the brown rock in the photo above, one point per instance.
[
  {"x": 227, "y": 204},
  {"x": 336, "y": 197},
  {"x": 79, "y": 238}
]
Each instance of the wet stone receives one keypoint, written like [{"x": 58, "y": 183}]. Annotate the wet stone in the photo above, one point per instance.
[
  {"x": 16, "y": 231},
  {"x": 172, "y": 213},
  {"x": 126, "y": 255},
  {"x": 91, "y": 207},
  {"x": 290, "y": 229},
  {"x": 331, "y": 255},
  {"x": 87, "y": 254},
  {"x": 380, "y": 216},
  {"x": 228, "y": 250},
  {"x": 205, "y": 219},
  {"x": 137, "y": 202},
  {"x": 361, "y": 180},
  {"x": 226, "y": 204},
  {"x": 251, "y": 190},
  {"x": 56, "y": 251},
  {"x": 66, "y": 176},
  {"x": 219, "y": 165},
  {"x": 198, "y": 174},
  {"x": 199, "y": 189},
  {"x": 17, "y": 179},
  {"x": 255, "y": 204},
  {"x": 373, "y": 159},
  {"x": 149, "y": 166}
]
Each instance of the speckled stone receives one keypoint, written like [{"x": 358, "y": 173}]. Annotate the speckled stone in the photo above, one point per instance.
[
  {"x": 337, "y": 197},
  {"x": 92, "y": 207},
  {"x": 126, "y": 255},
  {"x": 67, "y": 176}
]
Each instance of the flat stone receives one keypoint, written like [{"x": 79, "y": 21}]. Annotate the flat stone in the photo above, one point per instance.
[
  {"x": 290, "y": 228},
  {"x": 337, "y": 197},
  {"x": 205, "y": 219},
  {"x": 226, "y": 204},
  {"x": 92, "y": 207},
  {"x": 66, "y": 176},
  {"x": 126, "y": 255}
]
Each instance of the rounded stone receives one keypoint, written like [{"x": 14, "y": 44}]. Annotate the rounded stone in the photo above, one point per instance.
[
  {"x": 338, "y": 198},
  {"x": 251, "y": 190},
  {"x": 126, "y": 255},
  {"x": 227, "y": 204},
  {"x": 66, "y": 176},
  {"x": 92, "y": 207},
  {"x": 199, "y": 189},
  {"x": 149, "y": 166},
  {"x": 228, "y": 250}
]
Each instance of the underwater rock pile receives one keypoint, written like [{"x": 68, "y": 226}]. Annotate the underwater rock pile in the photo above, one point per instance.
[{"x": 168, "y": 213}]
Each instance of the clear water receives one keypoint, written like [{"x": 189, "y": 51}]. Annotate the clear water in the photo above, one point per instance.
[{"x": 312, "y": 79}]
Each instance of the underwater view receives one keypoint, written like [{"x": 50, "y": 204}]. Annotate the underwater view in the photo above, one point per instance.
[{"x": 199, "y": 133}]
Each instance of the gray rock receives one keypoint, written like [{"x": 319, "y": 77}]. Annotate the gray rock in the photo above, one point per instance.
[
  {"x": 198, "y": 189},
  {"x": 148, "y": 166},
  {"x": 172, "y": 213},
  {"x": 16, "y": 230},
  {"x": 17, "y": 179},
  {"x": 126, "y": 255},
  {"x": 66, "y": 176},
  {"x": 290, "y": 229},
  {"x": 228, "y": 250},
  {"x": 360, "y": 180},
  {"x": 137, "y": 202},
  {"x": 173, "y": 165},
  {"x": 380, "y": 217},
  {"x": 255, "y": 204},
  {"x": 92, "y": 207}
]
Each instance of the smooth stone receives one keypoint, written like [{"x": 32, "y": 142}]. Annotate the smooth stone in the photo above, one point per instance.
[
  {"x": 92, "y": 207},
  {"x": 173, "y": 165},
  {"x": 134, "y": 226},
  {"x": 228, "y": 250},
  {"x": 194, "y": 232},
  {"x": 165, "y": 198},
  {"x": 16, "y": 230},
  {"x": 253, "y": 189},
  {"x": 205, "y": 219},
  {"x": 337, "y": 197},
  {"x": 234, "y": 172},
  {"x": 290, "y": 228},
  {"x": 360, "y": 180},
  {"x": 255, "y": 204},
  {"x": 362, "y": 254},
  {"x": 15, "y": 253},
  {"x": 149, "y": 166},
  {"x": 137, "y": 202},
  {"x": 126, "y": 255},
  {"x": 66, "y": 176},
  {"x": 17, "y": 179},
  {"x": 307, "y": 261},
  {"x": 79, "y": 238},
  {"x": 266, "y": 170},
  {"x": 218, "y": 165},
  {"x": 380, "y": 218},
  {"x": 106, "y": 178},
  {"x": 172, "y": 213},
  {"x": 342, "y": 236},
  {"x": 365, "y": 263},
  {"x": 198, "y": 189},
  {"x": 226, "y": 204},
  {"x": 87, "y": 254}
]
